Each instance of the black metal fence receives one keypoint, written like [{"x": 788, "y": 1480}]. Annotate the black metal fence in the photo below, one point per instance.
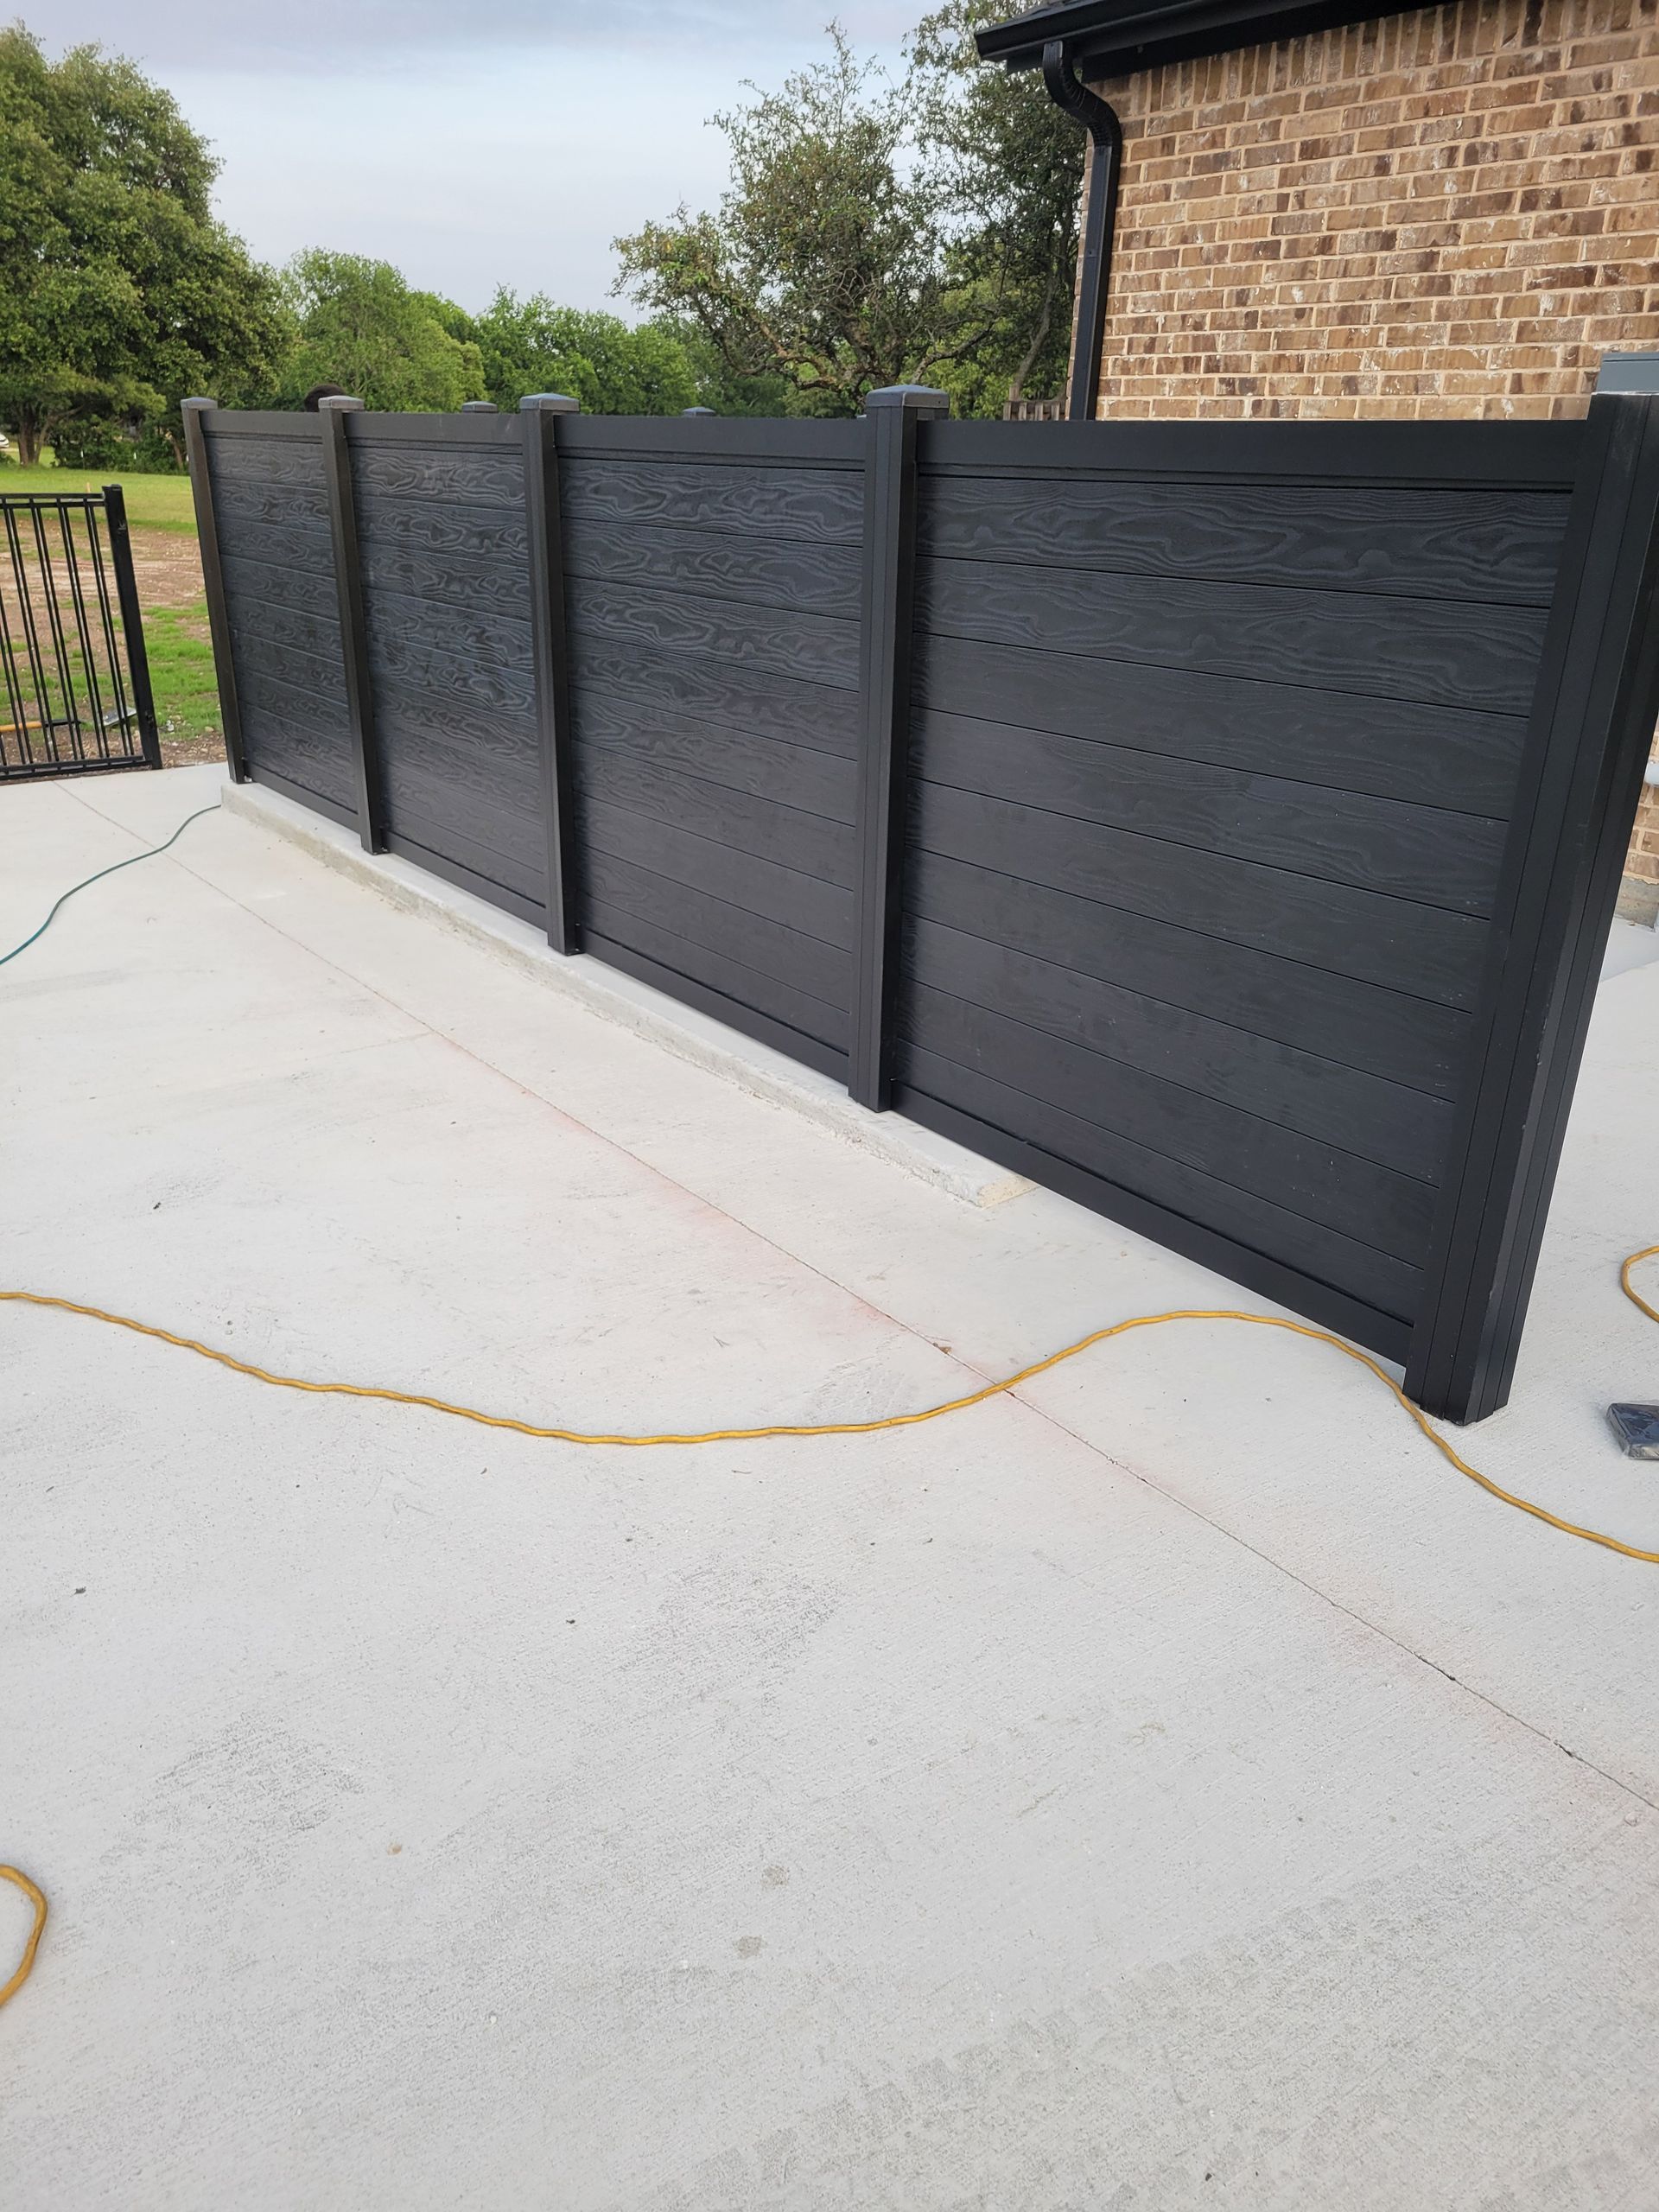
[
  {"x": 74, "y": 681},
  {"x": 1218, "y": 823}
]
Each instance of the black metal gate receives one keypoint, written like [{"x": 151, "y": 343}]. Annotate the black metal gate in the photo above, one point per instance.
[{"x": 74, "y": 683}]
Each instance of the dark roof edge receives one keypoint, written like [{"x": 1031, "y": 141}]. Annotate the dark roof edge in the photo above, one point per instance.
[{"x": 1116, "y": 38}]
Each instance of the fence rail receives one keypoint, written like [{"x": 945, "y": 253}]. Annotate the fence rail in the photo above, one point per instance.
[
  {"x": 1219, "y": 822},
  {"x": 74, "y": 681}
]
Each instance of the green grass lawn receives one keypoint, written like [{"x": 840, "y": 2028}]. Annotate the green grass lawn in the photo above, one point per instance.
[
  {"x": 181, "y": 670},
  {"x": 153, "y": 502}
]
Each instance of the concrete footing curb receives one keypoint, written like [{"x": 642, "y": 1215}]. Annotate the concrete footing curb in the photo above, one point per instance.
[{"x": 650, "y": 1013}]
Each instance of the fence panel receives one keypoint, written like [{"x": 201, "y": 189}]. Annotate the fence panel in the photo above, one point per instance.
[
  {"x": 1218, "y": 823},
  {"x": 281, "y": 613},
  {"x": 443, "y": 546},
  {"x": 1215, "y": 744},
  {"x": 712, "y": 588}
]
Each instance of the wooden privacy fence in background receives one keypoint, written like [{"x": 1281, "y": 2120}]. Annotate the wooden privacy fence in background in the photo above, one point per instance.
[{"x": 1220, "y": 823}]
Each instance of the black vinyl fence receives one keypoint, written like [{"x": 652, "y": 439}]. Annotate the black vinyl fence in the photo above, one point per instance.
[
  {"x": 74, "y": 681},
  {"x": 1219, "y": 822}
]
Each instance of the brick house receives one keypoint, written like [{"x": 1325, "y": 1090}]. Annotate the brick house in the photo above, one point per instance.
[{"x": 1300, "y": 207}]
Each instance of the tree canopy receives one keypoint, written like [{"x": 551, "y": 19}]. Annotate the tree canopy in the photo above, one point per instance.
[
  {"x": 360, "y": 326},
  {"x": 530, "y": 344},
  {"x": 119, "y": 291},
  {"x": 875, "y": 233}
]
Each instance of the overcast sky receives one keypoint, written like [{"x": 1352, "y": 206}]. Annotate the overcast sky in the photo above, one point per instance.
[{"x": 472, "y": 144}]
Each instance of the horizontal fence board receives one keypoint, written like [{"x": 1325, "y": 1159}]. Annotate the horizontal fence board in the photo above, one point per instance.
[
  {"x": 254, "y": 584},
  {"x": 1418, "y": 853},
  {"x": 1392, "y": 748},
  {"x": 315, "y": 667},
  {"x": 332, "y": 810},
  {"x": 1382, "y": 1032},
  {"x": 481, "y": 583},
  {"x": 748, "y": 567},
  {"x": 490, "y": 794},
  {"x": 723, "y": 442},
  {"x": 301, "y": 508},
  {"x": 692, "y": 991},
  {"x": 810, "y": 843},
  {"x": 240, "y": 462},
  {"x": 1391, "y": 648},
  {"x": 1299, "y": 1256},
  {"x": 738, "y": 979},
  {"x": 1542, "y": 456},
  {"x": 482, "y": 669},
  {"x": 449, "y": 476},
  {"x": 783, "y": 895},
  {"x": 1384, "y": 1122},
  {"x": 1307, "y": 1176},
  {"x": 820, "y": 507},
  {"x": 499, "y": 538},
  {"x": 821, "y": 649},
  {"x": 1471, "y": 544},
  {"x": 286, "y": 626},
  {"x": 299, "y": 548},
  {"x": 818, "y": 970},
  {"x": 531, "y": 910},
  {"x": 409, "y": 813},
  {"x": 790, "y": 775},
  {"x": 752, "y": 701},
  {"x": 1424, "y": 952}
]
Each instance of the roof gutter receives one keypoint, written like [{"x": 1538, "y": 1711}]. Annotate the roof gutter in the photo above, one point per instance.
[{"x": 1069, "y": 92}]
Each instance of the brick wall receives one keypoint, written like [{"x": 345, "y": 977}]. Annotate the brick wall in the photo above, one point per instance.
[{"x": 1450, "y": 213}]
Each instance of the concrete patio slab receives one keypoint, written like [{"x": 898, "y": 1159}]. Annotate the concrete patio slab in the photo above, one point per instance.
[{"x": 1172, "y": 1785}]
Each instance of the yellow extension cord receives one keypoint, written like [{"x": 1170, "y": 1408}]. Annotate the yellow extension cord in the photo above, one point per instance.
[{"x": 819, "y": 1428}]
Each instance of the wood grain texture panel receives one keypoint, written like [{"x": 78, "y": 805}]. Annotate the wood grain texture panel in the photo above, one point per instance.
[
  {"x": 251, "y": 584},
  {"x": 394, "y": 571},
  {"x": 1404, "y": 1040},
  {"x": 290, "y": 549},
  {"x": 1374, "y": 1206},
  {"x": 1471, "y": 544},
  {"x": 1381, "y": 1122},
  {"x": 481, "y": 661},
  {"x": 495, "y": 537},
  {"x": 301, "y": 507},
  {"x": 811, "y": 843},
  {"x": 736, "y": 979},
  {"x": 749, "y": 1022},
  {"x": 819, "y": 970},
  {"x": 789, "y": 775},
  {"x": 1214, "y": 1208},
  {"x": 759, "y": 886},
  {"x": 815, "y": 647},
  {"x": 1419, "y": 852},
  {"x": 818, "y": 505},
  {"x": 490, "y": 793},
  {"x": 753, "y": 701},
  {"x": 319, "y": 670},
  {"x": 447, "y": 476},
  {"x": 1424, "y": 951},
  {"x": 243, "y": 461},
  {"x": 1392, "y": 748},
  {"x": 421, "y": 812},
  {"x": 1389, "y": 648},
  {"x": 816, "y": 578}
]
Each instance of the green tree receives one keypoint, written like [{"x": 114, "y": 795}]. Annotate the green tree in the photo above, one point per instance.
[
  {"x": 120, "y": 292},
  {"x": 824, "y": 265},
  {"x": 361, "y": 327},
  {"x": 1007, "y": 166},
  {"x": 532, "y": 346},
  {"x": 874, "y": 233}
]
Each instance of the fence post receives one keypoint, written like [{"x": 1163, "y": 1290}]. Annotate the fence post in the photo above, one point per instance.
[
  {"x": 132, "y": 622},
  {"x": 1586, "y": 748},
  {"x": 543, "y": 515},
  {"x": 212, "y": 577},
  {"x": 353, "y": 632},
  {"x": 886, "y": 586}
]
